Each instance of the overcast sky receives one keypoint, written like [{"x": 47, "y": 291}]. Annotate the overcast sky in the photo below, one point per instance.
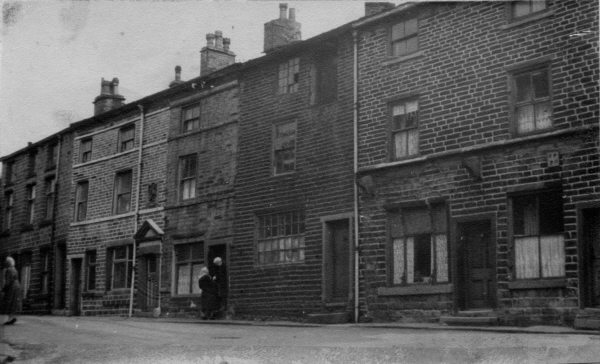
[{"x": 54, "y": 53}]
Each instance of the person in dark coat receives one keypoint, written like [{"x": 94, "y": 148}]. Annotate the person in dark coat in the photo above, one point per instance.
[
  {"x": 11, "y": 292},
  {"x": 209, "y": 298},
  {"x": 220, "y": 278}
]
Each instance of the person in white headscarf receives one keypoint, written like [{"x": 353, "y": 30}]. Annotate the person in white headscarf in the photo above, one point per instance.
[
  {"x": 10, "y": 303},
  {"x": 209, "y": 298}
]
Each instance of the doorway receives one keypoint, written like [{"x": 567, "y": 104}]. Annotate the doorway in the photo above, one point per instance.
[
  {"x": 590, "y": 257},
  {"x": 336, "y": 262},
  {"x": 148, "y": 280},
  {"x": 76, "y": 266},
  {"x": 476, "y": 265},
  {"x": 60, "y": 274}
]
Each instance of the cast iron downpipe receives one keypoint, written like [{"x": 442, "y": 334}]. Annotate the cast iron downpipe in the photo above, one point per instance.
[{"x": 356, "y": 217}]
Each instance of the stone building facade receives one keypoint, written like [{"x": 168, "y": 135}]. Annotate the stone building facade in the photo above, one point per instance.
[
  {"x": 478, "y": 160},
  {"x": 35, "y": 219},
  {"x": 291, "y": 253}
]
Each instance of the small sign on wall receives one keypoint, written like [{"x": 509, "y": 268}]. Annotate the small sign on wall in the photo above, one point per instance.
[{"x": 553, "y": 159}]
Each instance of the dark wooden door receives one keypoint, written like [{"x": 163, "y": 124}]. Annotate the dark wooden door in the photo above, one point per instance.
[
  {"x": 338, "y": 261},
  {"x": 76, "y": 265},
  {"x": 151, "y": 282},
  {"x": 478, "y": 255},
  {"x": 591, "y": 236}
]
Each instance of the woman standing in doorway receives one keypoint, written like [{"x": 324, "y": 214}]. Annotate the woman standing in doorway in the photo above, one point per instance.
[
  {"x": 11, "y": 292},
  {"x": 209, "y": 298}
]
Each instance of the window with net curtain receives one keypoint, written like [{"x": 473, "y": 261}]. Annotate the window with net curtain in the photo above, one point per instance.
[
  {"x": 532, "y": 101},
  {"x": 419, "y": 245},
  {"x": 525, "y": 8},
  {"x": 538, "y": 233},
  {"x": 189, "y": 259}
]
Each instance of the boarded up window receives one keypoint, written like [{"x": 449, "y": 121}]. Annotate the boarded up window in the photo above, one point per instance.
[
  {"x": 419, "y": 251},
  {"x": 405, "y": 128},
  {"x": 327, "y": 77},
  {"x": 284, "y": 148}
]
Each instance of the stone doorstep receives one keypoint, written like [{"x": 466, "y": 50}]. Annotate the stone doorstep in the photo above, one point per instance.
[
  {"x": 328, "y": 318},
  {"x": 592, "y": 311},
  {"x": 586, "y": 323},
  {"x": 469, "y": 321}
]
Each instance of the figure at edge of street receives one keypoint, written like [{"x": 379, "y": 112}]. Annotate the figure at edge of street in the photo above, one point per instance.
[
  {"x": 11, "y": 292},
  {"x": 220, "y": 279},
  {"x": 208, "y": 299}
]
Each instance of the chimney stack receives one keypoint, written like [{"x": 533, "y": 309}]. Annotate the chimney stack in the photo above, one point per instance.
[
  {"x": 109, "y": 97},
  {"x": 177, "y": 81},
  {"x": 377, "y": 7},
  {"x": 282, "y": 31},
  {"x": 216, "y": 54}
]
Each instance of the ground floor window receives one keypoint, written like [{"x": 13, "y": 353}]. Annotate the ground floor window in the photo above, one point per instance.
[
  {"x": 189, "y": 259},
  {"x": 538, "y": 235},
  {"x": 25, "y": 273},
  {"x": 44, "y": 271},
  {"x": 419, "y": 245},
  {"x": 280, "y": 238},
  {"x": 120, "y": 266}
]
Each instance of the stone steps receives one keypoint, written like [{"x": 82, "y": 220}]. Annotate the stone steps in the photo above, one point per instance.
[
  {"x": 472, "y": 318},
  {"x": 588, "y": 320}
]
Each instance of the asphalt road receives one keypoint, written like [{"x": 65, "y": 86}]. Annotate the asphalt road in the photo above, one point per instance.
[{"x": 50, "y": 339}]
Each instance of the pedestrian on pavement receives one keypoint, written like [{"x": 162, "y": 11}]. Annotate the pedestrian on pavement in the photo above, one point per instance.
[
  {"x": 220, "y": 278},
  {"x": 208, "y": 299},
  {"x": 11, "y": 292}
]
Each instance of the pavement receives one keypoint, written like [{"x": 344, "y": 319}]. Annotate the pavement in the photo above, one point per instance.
[{"x": 9, "y": 354}]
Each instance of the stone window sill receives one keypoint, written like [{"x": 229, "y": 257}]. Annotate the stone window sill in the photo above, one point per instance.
[
  {"x": 538, "y": 283},
  {"x": 395, "y": 60},
  {"x": 415, "y": 290}
]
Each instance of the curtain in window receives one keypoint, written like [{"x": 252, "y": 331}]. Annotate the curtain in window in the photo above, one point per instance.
[
  {"x": 398, "y": 256},
  {"x": 527, "y": 257},
  {"x": 441, "y": 247},
  {"x": 410, "y": 260},
  {"x": 183, "y": 284},
  {"x": 553, "y": 255}
]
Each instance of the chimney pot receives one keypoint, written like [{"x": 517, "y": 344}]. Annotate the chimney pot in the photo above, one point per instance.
[
  {"x": 226, "y": 43},
  {"x": 283, "y": 11},
  {"x": 210, "y": 40},
  {"x": 177, "y": 73},
  {"x": 293, "y": 14},
  {"x": 218, "y": 39},
  {"x": 109, "y": 97}
]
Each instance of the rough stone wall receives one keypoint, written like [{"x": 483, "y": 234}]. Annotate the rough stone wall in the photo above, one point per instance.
[
  {"x": 461, "y": 81},
  {"x": 321, "y": 184}
]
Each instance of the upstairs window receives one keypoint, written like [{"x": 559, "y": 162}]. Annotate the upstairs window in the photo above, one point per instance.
[
  {"x": 189, "y": 259},
  {"x": 8, "y": 208},
  {"x": 524, "y": 8},
  {"x": 532, "y": 101},
  {"x": 187, "y": 176},
  {"x": 326, "y": 77},
  {"x": 122, "y": 192},
  {"x": 405, "y": 128},
  {"x": 284, "y": 148},
  {"x": 126, "y": 138},
  {"x": 31, "y": 203},
  {"x": 289, "y": 75},
  {"x": 419, "y": 249},
  {"x": 9, "y": 174},
  {"x": 85, "y": 150},
  {"x": 81, "y": 199},
  {"x": 52, "y": 156},
  {"x": 538, "y": 235},
  {"x": 190, "y": 118},
  {"x": 31, "y": 164},
  {"x": 281, "y": 238},
  {"x": 404, "y": 37},
  {"x": 50, "y": 193}
]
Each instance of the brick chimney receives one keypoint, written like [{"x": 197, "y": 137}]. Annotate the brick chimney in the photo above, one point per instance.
[
  {"x": 283, "y": 31},
  {"x": 177, "y": 81},
  {"x": 216, "y": 54},
  {"x": 109, "y": 97},
  {"x": 377, "y": 7}
]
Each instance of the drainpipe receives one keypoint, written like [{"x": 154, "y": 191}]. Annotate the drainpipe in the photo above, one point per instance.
[
  {"x": 137, "y": 208},
  {"x": 356, "y": 217}
]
